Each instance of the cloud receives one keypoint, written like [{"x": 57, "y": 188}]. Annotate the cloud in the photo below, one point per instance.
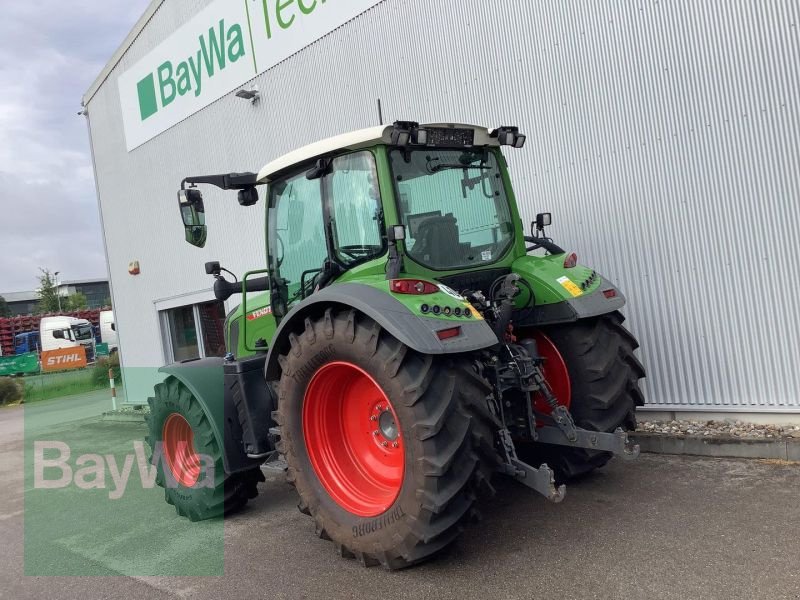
[{"x": 50, "y": 53}]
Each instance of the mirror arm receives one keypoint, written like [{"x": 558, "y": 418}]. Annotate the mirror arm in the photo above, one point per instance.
[
  {"x": 545, "y": 243},
  {"x": 228, "y": 181}
]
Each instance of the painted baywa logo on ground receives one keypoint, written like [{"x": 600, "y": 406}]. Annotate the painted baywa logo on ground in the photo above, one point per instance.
[
  {"x": 89, "y": 470},
  {"x": 218, "y": 48}
]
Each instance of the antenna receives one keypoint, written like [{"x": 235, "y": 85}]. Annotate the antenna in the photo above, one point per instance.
[{"x": 380, "y": 113}]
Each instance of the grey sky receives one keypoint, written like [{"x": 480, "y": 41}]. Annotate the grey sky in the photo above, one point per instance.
[{"x": 50, "y": 52}]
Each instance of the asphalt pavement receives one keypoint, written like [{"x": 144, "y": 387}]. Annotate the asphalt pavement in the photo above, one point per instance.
[{"x": 659, "y": 527}]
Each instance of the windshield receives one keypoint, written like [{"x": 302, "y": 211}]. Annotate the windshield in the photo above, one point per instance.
[
  {"x": 82, "y": 332},
  {"x": 453, "y": 205}
]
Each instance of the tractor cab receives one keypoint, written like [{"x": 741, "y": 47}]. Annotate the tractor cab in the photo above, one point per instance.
[{"x": 432, "y": 201}]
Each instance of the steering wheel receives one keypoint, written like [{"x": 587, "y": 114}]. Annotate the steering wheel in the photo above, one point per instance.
[{"x": 357, "y": 251}]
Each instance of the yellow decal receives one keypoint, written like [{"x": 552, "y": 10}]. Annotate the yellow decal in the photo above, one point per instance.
[
  {"x": 570, "y": 286},
  {"x": 473, "y": 310}
]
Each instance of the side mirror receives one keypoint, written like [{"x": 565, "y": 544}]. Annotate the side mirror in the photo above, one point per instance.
[
  {"x": 542, "y": 220},
  {"x": 58, "y": 334},
  {"x": 193, "y": 215}
]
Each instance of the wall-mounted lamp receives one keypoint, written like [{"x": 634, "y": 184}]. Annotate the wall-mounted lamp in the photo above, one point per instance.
[{"x": 251, "y": 94}]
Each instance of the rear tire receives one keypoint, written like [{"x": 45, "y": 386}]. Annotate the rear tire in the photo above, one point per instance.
[
  {"x": 206, "y": 498},
  {"x": 604, "y": 376},
  {"x": 446, "y": 439}
]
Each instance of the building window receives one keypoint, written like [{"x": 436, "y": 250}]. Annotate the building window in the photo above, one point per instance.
[
  {"x": 194, "y": 331},
  {"x": 183, "y": 333}
]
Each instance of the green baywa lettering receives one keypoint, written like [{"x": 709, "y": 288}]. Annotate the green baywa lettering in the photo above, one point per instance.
[
  {"x": 197, "y": 73},
  {"x": 235, "y": 40},
  {"x": 165, "y": 82},
  {"x": 217, "y": 45},
  {"x": 182, "y": 74}
]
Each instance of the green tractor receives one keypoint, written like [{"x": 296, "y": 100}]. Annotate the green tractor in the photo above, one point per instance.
[{"x": 406, "y": 341}]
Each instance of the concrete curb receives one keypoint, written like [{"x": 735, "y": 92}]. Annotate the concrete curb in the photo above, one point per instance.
[
  {"x": 719, "y": 446},
  {"x": 126, "y": 417}
]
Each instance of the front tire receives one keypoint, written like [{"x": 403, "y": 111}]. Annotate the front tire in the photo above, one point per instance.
[
  {"x": 386, "y": 447},
  {"x": 180, "y": 435}
]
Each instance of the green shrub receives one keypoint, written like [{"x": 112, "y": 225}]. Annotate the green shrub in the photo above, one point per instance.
[
  {"x": 10, "y": 391},
  {"x": 101, "y": 367}
]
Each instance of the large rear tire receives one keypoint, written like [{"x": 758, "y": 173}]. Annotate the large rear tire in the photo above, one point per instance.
[
  {"x": 386, "y": 447},
  {"x": 604, "y": 380},
  {"x": 180, "y": 435}
]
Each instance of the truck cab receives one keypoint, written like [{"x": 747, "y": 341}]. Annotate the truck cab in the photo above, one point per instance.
[
  {"x": 67, "y": 332},
  {"x": 108, "y": 330},
  {"x": 26, "y": 342}
]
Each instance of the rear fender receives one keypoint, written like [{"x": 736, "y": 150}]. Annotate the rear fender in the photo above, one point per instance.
[
  {"x": 563, "y": 294},
  {"x": 205, "y": 379},
  {"x": 415, "y": 331}
]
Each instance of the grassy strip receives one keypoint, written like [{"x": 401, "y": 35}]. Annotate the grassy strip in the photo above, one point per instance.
[{"x": 48, "y": 387}]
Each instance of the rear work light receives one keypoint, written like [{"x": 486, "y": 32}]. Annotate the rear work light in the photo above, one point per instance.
[
  {"x": 571, "y": 260},
  {"x": 417, "y": 287},
  {"x": 446, "y": 334}
]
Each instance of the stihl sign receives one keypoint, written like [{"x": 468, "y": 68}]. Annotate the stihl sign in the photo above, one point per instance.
[{"x": 63, "y": 359}]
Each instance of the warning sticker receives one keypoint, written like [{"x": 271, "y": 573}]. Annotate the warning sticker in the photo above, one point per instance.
[
  {"x": 474, "y": 311},
  {"x": 570, "y": 286},
  {"x": 486, "y": 255}
]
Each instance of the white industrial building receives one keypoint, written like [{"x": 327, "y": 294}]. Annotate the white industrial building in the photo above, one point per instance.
[{"x": 662, "y": 135}]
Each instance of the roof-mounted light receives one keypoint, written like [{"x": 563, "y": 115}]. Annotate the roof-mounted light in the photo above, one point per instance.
[
  {"x": 402, "y": 132},
  {"x": 509, "y": 136},
  {"x": 405, "y": 133}
]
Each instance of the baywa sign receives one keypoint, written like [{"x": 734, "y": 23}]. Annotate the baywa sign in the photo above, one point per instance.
[{"x": 218, "y": 50}]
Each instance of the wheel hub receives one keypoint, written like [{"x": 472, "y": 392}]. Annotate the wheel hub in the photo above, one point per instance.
[{"x": 387, "y": 426}]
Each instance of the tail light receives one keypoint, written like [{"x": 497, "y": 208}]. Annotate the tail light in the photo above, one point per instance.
[
  {"x": 571, "y": 260},
  {"x": 418, "y": 287},
  {"x": 610, "y": 293},
  {"x": 446, "y": 334}
]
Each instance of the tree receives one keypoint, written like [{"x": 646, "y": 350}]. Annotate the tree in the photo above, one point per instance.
[
  {"x": 48, "y": 292},
  {"x": 76, "y": 301},
  {"x": 5, "y": 311}
]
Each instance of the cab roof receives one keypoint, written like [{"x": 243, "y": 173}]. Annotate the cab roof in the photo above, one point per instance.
[{"x": 362, "y": 138}]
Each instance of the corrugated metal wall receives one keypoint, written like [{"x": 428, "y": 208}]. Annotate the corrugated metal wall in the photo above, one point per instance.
[{"x": 662, "y": 135}]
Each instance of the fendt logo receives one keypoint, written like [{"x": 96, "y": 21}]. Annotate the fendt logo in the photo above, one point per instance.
[{"x": 219, "y": 47}]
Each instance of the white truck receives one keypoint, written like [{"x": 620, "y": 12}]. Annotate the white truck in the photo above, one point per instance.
[
  {"x": 108, "y": 330},
  {"x": 67, "y": 332}
]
